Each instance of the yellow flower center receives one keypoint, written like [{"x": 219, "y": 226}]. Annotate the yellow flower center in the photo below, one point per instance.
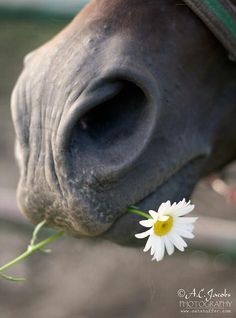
[{"x": 163, "y": 225}]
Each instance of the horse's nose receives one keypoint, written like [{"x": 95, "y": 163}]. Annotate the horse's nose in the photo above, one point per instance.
[{"x": 107, "y": 129}]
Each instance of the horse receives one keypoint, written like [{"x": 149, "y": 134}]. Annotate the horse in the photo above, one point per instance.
[{"x": 130, "y": 104}]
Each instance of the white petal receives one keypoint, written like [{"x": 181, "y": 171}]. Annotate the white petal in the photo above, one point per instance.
[
  {"x": 186, "y": 220},
  {"x": 169, "y": 245},
  {"x": 147, "y": 223},
  {"x": 177, "y": 241},
  {"x": 182, "y": 226},
  {"x": 184, "y": 233},
  {"x": 180, "y": 239},
  {"x": 179, "y": 205},
  {"x": 163, "y": 218},
  {"x": 188, "y": 226},
  {"x": 159, "y": 248},
  {"x": 184, "y": 210},
  {"x": 155, "y": 257},
  {"x": 148, "y": 244},
  {"x": 152, "y": 247},
  {"x": 155, "y": 246},
  {"x": 153, "y": 214},
  {"x": 144, "y": 234},
  {"x": 172, "y": 209},
  {"x": 164, "y": 206}
]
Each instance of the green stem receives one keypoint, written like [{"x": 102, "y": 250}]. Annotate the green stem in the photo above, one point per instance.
[
  {"x": 135, "y": 210},
  {"x": 36, "y": 232},
  {"x": 32, "y": 250},
  {"x": 11, "y": 278}
]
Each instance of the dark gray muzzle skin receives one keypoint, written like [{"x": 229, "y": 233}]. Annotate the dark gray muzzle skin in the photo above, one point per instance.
[{"x": 129, "y": 105}]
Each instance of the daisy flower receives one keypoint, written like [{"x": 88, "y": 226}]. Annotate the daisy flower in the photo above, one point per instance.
[{"x": 167, "y": 228}]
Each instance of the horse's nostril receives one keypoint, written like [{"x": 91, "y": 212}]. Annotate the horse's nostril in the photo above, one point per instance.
[
  {"x": 114, "y": 120},
  {"x": 114, "y": 130},
  {"x": 107, "y": 129}
]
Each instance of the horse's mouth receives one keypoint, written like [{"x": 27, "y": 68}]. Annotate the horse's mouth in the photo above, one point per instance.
[
  {"x": 176, "y": 187},
  {"x": 122, "y": 227}
]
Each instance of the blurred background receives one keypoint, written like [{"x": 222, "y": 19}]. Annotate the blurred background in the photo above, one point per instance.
[{"x": 93, "y": 278}]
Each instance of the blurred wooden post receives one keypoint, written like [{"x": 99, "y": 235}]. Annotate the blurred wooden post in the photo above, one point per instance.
[{"x": 215, "y": 234}]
